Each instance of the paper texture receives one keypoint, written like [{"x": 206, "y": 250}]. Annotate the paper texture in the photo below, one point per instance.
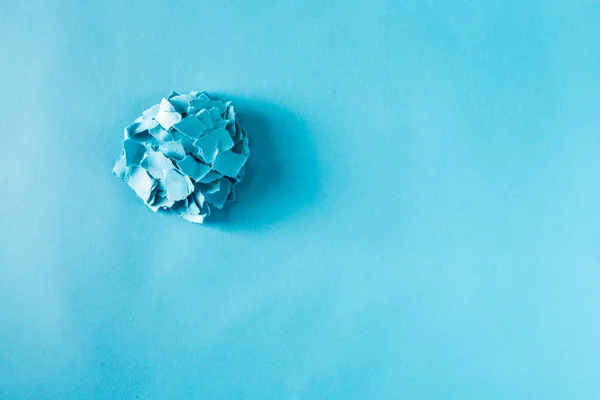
[{"x": 184, "y": 155}]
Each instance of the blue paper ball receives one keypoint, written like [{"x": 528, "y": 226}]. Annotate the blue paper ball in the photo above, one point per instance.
[{"x": 185, "y": 155}]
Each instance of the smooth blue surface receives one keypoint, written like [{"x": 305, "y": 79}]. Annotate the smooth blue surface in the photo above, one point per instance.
[{"x": 422, "y": 220}]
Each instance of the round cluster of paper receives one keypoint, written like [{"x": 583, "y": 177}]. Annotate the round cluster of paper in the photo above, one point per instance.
[{"x": 184, "y": 155}]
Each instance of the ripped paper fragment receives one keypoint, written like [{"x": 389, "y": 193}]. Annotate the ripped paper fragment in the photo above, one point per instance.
[{"x": 185, "y": 155}]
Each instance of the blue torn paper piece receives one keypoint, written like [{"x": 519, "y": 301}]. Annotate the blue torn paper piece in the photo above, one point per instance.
[
  {"x": 185, "y": 155},
  {"x": 193, "y": 168},
  {"x": 229, "y": 164}
]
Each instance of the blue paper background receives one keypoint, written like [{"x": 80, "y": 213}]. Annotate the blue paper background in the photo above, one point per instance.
[{"x": 422, "y": 220}]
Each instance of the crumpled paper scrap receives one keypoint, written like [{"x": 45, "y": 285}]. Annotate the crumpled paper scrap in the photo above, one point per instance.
[{"x": 185, "y": 155}]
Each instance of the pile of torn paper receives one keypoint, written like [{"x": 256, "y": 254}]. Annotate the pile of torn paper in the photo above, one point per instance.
[{"x": 184, "y": 155}]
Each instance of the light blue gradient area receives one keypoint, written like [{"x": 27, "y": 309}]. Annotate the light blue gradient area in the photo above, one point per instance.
[{"x": 422, "y": 219}]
